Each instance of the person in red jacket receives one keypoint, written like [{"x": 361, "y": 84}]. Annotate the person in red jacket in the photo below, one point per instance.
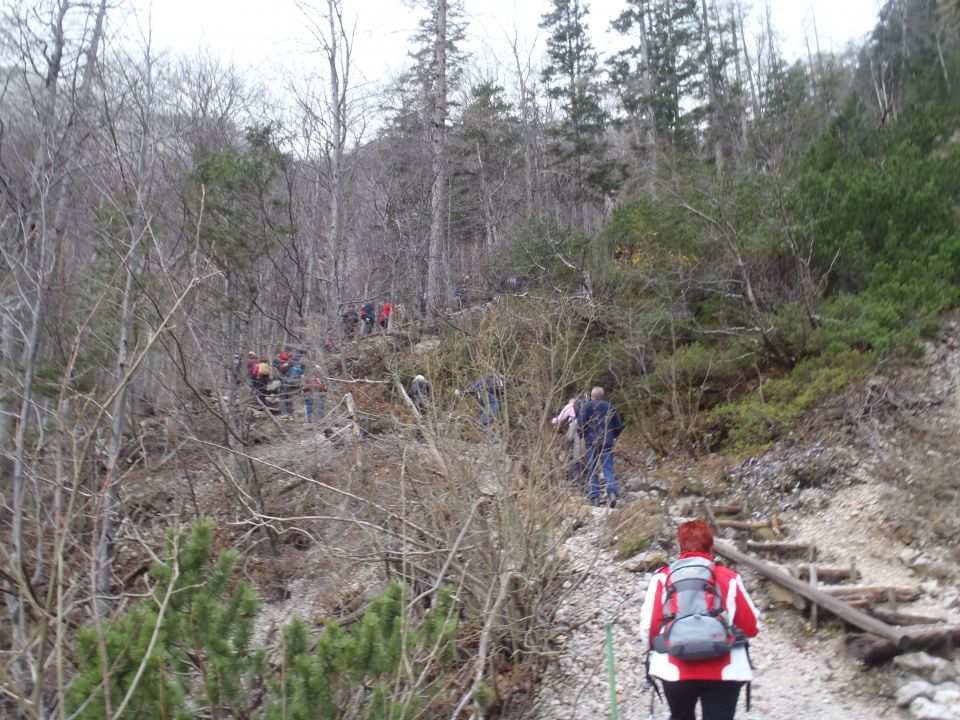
[
  {"x": 715, "y": 682},
  {"x": 385, "y": 317}
]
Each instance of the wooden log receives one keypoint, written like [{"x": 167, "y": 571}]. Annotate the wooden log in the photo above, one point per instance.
[
  {"x": 814, "y": 615},
  {"x": 743, "y": 524},
  {"x": 826, "y": 573},
  {"x": 923, "y": 637},
  {"x": 893, "y": 617},
  {"x": 877, "y": 593},
  {"x": 855, "y": 617},
  {"x": 869, "y": 648},
  {"x": 902, "y": 638},
  {"x": 727, "y": 509},
  {"x": 778, "y": 547}
]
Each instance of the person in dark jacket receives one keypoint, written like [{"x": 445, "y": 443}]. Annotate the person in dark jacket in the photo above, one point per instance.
[
  {"x": 368, "y": 316},
  {"x": 487, "y": 391},
  {"x": 600, "y": 425},
  {"x": 350, "y": 321},
  {"x": 419, "y": 392}
]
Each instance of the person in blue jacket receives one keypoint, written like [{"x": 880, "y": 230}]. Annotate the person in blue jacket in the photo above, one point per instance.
[
  {"x": 488, "y": 392},
  {"x": 600, "y": 425}
]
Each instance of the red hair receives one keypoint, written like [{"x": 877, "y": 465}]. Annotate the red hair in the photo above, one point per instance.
[{"x": 695, "y": 537}]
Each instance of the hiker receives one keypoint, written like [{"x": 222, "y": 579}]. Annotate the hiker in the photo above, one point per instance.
[
  {"x": 291, "y": 376},
  {"x": 486, "y": 391},
  {"x": 368, "y": 316},
  {"x": 575, "y": 444},
  {"x": 679, "y": 625},
  {"x": 350, "y": 321},
  {"x": 281, "y": 363},
  {"x": 385, "y": 317},
  {"x": 419, "y": 393},
  {"x": 263, "y": 379},
  {"x": 253, "y": 365},
  {"x": 315, "y": 396},
  {"x": 329, "y": 341},
  {"x": 600, "y": 425}
]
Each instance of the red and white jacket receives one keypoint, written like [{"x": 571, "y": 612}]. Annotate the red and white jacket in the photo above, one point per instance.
[{"x": 740, "y": 610}]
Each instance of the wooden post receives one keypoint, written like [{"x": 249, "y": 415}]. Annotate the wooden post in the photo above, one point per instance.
[
  {"x": 814, "y": 610},
  {"x": 357, "y": 445}
]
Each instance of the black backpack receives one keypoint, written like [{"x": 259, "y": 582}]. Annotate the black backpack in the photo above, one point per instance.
[{"x": 695, "y": 626}]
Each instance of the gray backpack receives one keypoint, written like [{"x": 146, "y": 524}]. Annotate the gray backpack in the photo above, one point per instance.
[{"x": 694, "y": 625}]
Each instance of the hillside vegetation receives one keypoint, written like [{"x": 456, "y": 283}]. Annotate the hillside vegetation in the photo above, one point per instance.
[{"x": 721, "y": 237}]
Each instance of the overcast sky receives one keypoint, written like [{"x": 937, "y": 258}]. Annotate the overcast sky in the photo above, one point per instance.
[{"x": 271, "y": 36}]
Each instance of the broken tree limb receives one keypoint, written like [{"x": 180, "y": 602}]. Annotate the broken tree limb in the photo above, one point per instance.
[
  {"x": 778, "y": 547},
  {"x": 893, "y": 617},
  {"x": 744, "y": 524},
  {"x": 828, "y": 574},
  {"x": 903, "y": 638},
  {"x": 876, "y": 593},
  {"x": 727, "y": 509},
  {"x": 855, "y": 617}
]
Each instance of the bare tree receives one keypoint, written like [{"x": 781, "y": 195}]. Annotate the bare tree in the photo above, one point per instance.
[{"x": 436, "y": 249}]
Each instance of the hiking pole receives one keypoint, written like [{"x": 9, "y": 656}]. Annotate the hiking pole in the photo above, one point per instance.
[{"x": 612, "y": 676}]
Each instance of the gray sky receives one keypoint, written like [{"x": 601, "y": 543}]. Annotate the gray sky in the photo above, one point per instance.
[{"x": 271, "y": 35}]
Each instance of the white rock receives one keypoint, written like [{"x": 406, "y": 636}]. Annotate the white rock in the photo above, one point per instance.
[
  {"x": 946, "y": 673},
  {"x": 913, "y": 690},
  {"x": 924, "y": 709},
  {"x": 946, "y": 697},
  {"x": 922, "y": 664}
]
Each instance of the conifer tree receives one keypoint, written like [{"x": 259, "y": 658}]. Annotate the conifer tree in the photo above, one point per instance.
[
  {"x": 184, "y": 651},
  {"x": 572, "y": 78},
  {"x": 662, "y": 76}
]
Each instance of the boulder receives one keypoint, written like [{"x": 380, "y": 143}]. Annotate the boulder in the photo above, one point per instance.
[
  {"x": 427, "y": 345},
  {"x": 945, "y": 673},
  {"x": 922, "y": 665},
  {"x": 913, "y": 690},
  {"x": 947, "y": 696},
  {"x": 924, "y": 709},
  {"x": 645, "y": 562}
]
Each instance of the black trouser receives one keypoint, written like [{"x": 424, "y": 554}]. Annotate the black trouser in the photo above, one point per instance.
[{"x": 718, "y": 698}]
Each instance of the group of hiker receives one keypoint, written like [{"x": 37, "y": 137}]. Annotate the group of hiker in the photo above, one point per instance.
[
  {"x": 696, "y": 617},
  {"x": 593, "y": 426},
  {"x": 287, "y": 377},
  {"x": 366, "y": 320}
]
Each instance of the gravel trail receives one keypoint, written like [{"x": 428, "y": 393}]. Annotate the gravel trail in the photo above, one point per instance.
[{"x": 796, "y": 679}]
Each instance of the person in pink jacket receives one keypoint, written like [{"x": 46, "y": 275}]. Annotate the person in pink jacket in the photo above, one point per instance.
[{"x": 715, "y": 682}]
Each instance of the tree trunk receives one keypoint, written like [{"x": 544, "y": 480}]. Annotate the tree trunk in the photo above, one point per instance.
[
  {"x": 338, "y": 123},
  {"x": 435, "y": 252}
]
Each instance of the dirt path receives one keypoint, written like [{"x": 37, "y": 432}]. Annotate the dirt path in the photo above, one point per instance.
[
  {"x": 797, "y": 678},
  {"x": 853, "y": 480}
]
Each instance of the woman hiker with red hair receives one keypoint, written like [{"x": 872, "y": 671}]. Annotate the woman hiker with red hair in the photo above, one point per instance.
[{"x": 696, "y": 618}]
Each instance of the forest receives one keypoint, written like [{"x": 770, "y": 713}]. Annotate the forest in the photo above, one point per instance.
[{"x": 720, "y": 236}]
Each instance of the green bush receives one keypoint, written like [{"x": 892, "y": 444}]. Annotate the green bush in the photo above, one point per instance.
[{"x": 196, "y": 654}]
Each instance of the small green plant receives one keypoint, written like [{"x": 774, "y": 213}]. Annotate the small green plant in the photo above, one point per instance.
[{"x": 630, "y": 546}]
